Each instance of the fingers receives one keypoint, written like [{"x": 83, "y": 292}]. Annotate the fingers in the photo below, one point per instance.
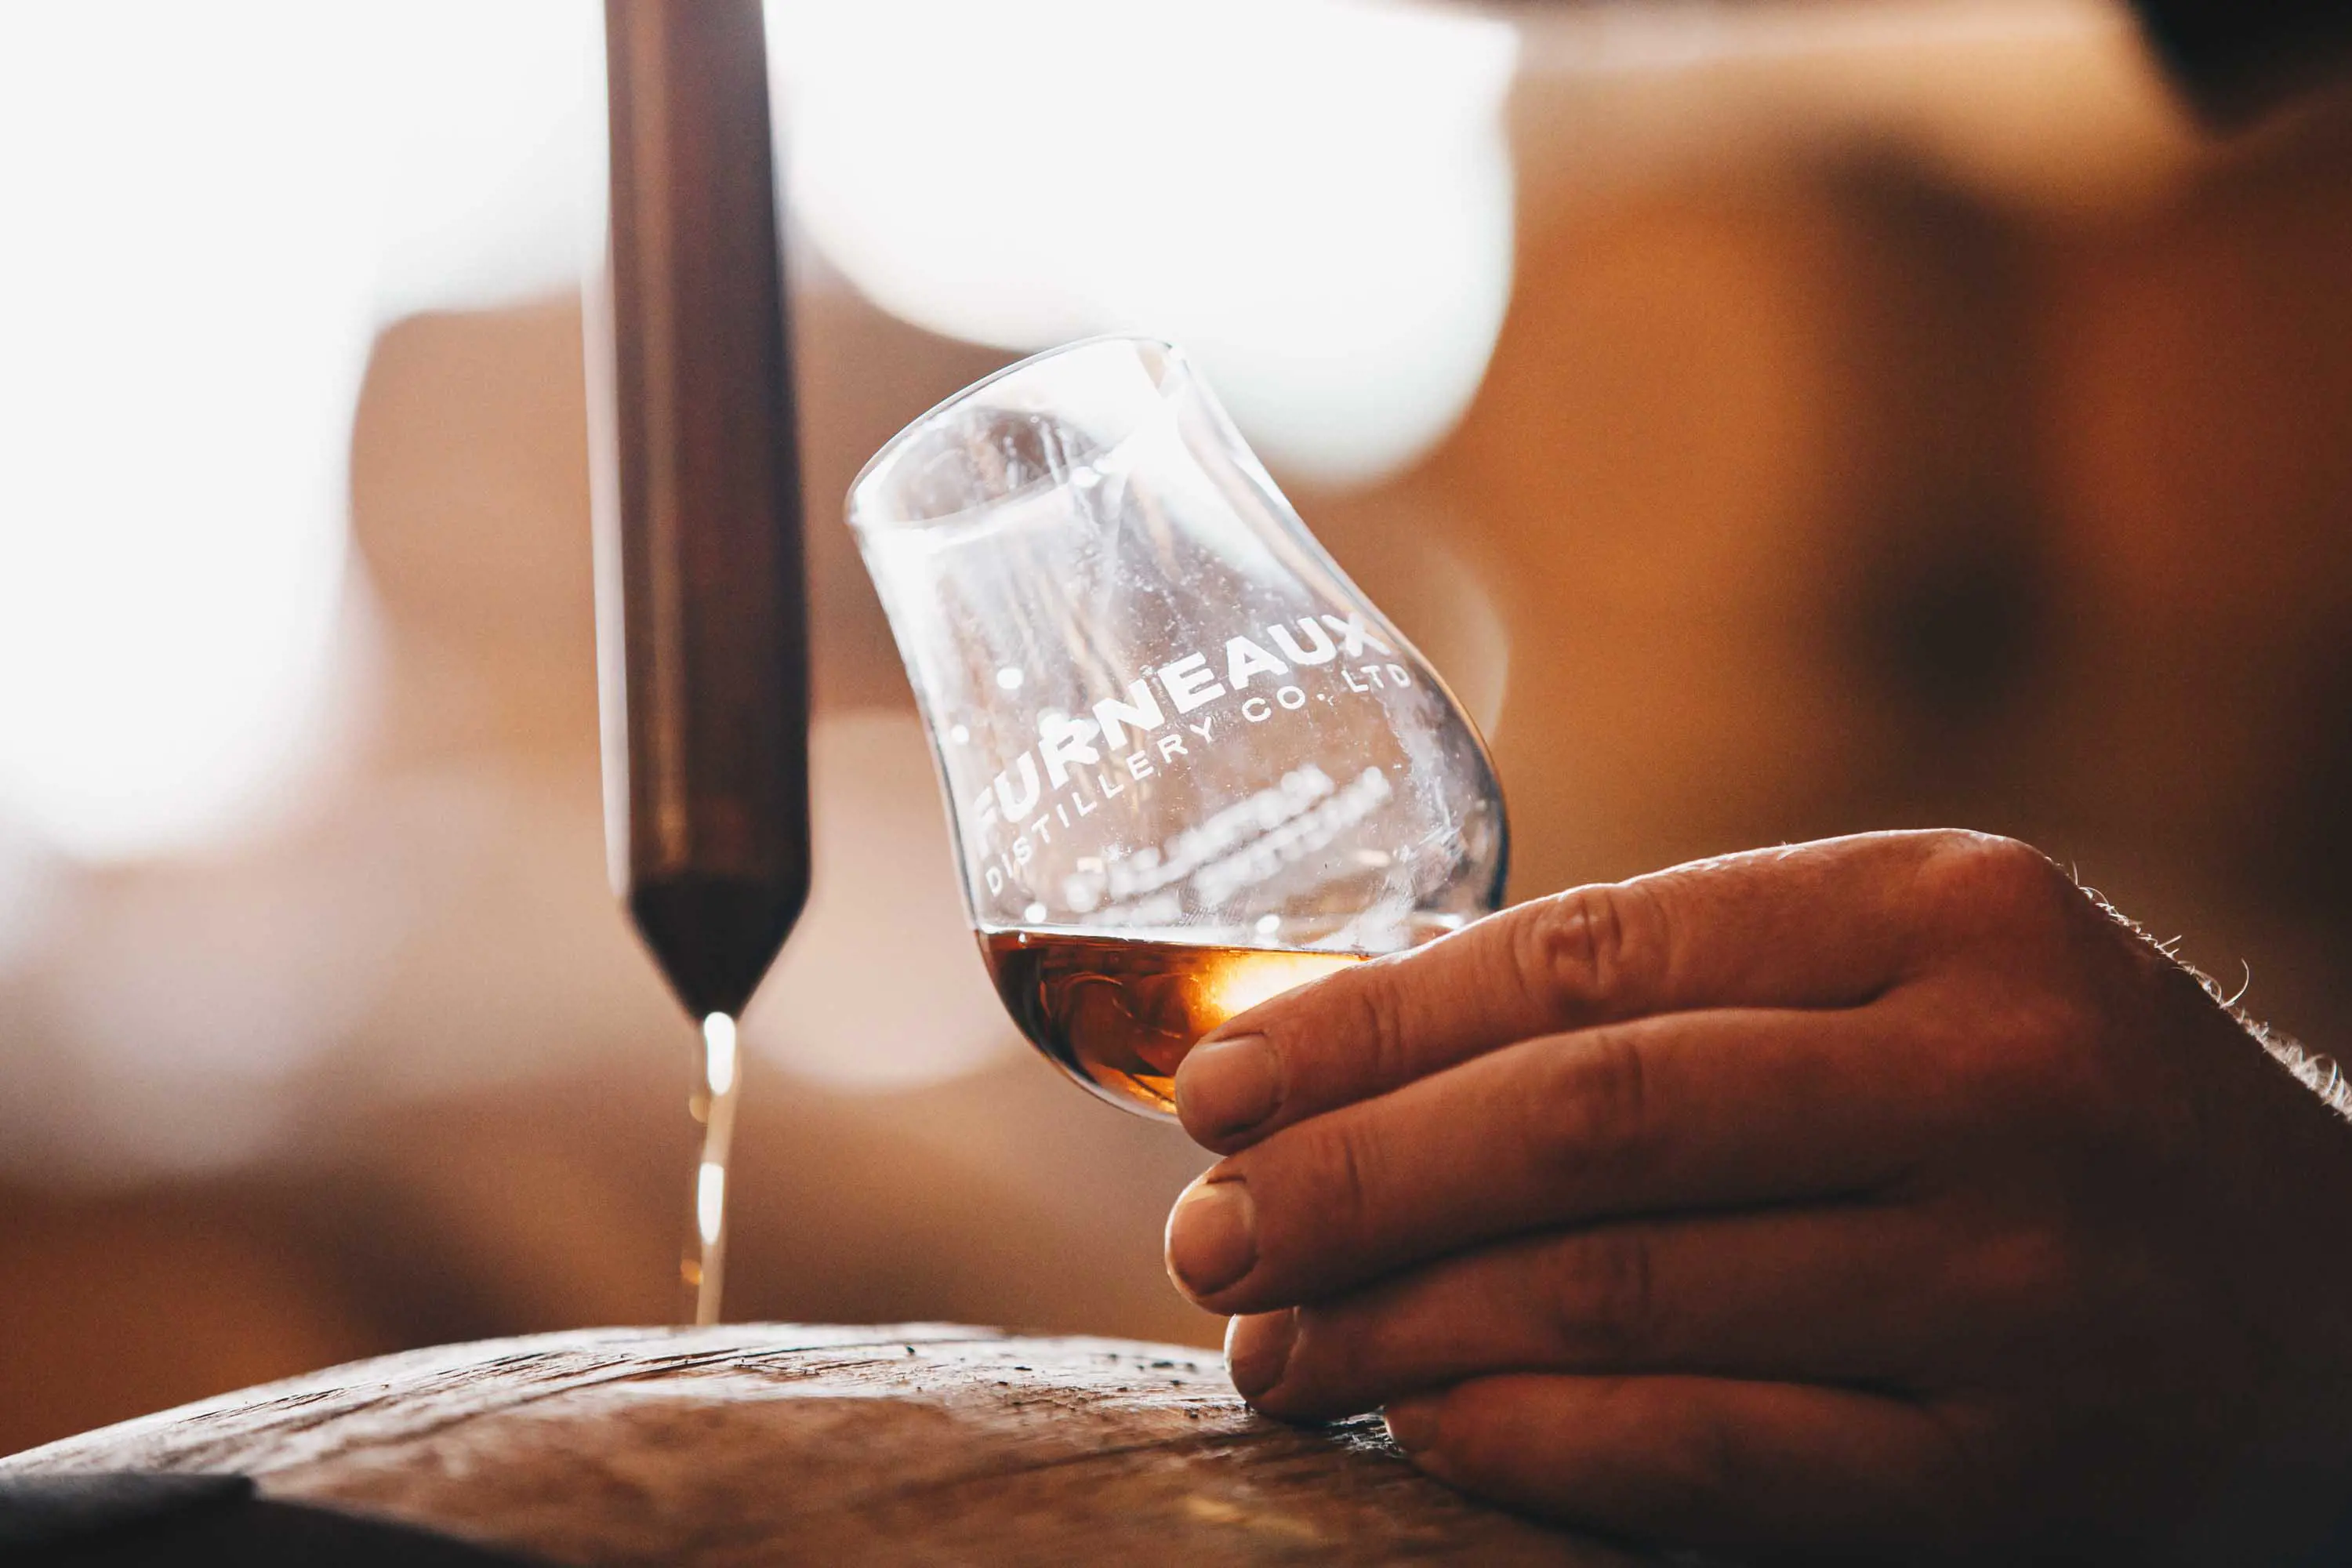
[
  {"x": 1783, "y": 1468},
  {"x": 1847, "y": 1294},
  {"x": 1693, "y": 1110},
  {"x": 1819, "y": 925}
]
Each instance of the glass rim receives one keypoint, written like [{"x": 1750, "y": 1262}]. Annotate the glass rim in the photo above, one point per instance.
[{"x": 1177, "y": 372}]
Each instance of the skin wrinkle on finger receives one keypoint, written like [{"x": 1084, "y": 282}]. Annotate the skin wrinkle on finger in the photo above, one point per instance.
[
  {"x": 1573, "y": 953},
  {"x": 1620, "y": 1298},
  {"x": 1591, "y": 1109},
  {"x": 1379, "y": 1027},
  {"x": 1356, "y": 1206}
]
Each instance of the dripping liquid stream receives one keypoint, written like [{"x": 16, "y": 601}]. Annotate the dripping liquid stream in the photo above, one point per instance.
[{"x": 703, "y": 1266}]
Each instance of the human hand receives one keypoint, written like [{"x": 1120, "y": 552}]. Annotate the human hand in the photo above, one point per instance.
[{"x": 1886, "y": 1197}]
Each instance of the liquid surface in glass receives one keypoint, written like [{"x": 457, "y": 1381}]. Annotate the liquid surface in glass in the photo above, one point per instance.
[{"x": 1119, "y": 1011}]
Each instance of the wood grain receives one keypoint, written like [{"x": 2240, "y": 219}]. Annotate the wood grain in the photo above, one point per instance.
[{"x": 785, "y": 1444}]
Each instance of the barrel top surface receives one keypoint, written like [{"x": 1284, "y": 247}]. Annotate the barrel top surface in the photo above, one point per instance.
[{"x": 784, "y": 1442}]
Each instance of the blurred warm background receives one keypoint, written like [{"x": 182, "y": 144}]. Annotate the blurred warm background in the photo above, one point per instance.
[{"x": 1776, "y": 419}]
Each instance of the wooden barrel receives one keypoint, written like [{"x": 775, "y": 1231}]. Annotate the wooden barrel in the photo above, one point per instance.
[{"x": 785, "y": 1444}]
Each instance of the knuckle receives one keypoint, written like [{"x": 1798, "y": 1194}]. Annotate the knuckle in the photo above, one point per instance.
[
  {"x": 2041, "y": 1031},
  {"x": 1379, "y": 1056},
  {"x": 1571, "y": 953},
  {"x": 2027, "y": 1276},
  {"x": 1717, "y": 1460},
  {"x": 1702, "y": 1463},
  {"x": 1327, "y": 1351},
  {"x": 1605, "y": 1299},
  {"x": 1588, "y": 1106},
  {"x": 1347, "y": 1169},
  {"x": 1982, "y": 879},
  {"x": 2035, "y": 1062},
  {"x": 1343, "y": 1354},
  {"x": 2057, "y": 1039}
]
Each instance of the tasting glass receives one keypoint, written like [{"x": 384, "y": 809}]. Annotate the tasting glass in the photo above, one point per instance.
[{"x": 1168, "y": 728}]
